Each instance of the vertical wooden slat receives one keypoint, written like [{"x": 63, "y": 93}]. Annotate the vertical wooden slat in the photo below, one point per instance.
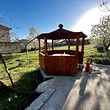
[
  {"x": 61, "y": 65},
  {"x": 42, "y": 60}
]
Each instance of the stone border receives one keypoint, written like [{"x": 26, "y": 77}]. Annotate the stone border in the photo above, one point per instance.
[{"x": 39, "y": 102}]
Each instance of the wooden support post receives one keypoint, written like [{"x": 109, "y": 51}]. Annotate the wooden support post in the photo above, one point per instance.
[
  {"x": 68, "y": 44},
  {"x": 39, "y": 44},
  {"x": 82, "y": 50},
  {"x": 77, "y": 46},
  {"x": 52, "y": 44},
  {"x": 45, "y": 46},
  {"x": 83, "y": 39}
]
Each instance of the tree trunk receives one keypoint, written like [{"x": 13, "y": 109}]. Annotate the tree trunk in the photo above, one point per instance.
[
  {"x": 7, "y": 70},
  {"x": 106, "y": 50},
  {"x": 106, "y": 55},
  {"x": 27, "y": 54}
]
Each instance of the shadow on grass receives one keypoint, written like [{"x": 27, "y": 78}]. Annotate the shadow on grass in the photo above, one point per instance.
[
  {"x": 10, "y": 56},
  {"x": 19, "y": 100},
  {"x": 14, "y": 67}
]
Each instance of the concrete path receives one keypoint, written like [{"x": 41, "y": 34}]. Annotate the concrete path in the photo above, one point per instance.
[
  {"x": 83, "y": 92},
  {"x": 91, "y": 92},
  {"x": 60, "y": 87}
]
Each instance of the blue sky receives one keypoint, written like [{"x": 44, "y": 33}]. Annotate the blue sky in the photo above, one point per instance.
[{"x": 45, "y": 15}]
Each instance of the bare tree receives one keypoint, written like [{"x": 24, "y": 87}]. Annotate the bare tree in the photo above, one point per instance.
[
  {"x": 2, "y": 34},
  {"x": 104, "y": 6},
  {"x": 101, "y": 33},
  {"x": 25, "y": 45},
  {"x": 33, "y": 32}
]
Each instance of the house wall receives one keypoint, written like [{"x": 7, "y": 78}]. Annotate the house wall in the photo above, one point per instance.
[
  {"x": 4, "y": 34},
  {"x": 6, "y": 46},
  {"x": 10, "y": 47}
]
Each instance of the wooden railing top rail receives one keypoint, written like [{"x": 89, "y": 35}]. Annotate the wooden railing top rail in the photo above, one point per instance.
[
  {"x": 41, "y": 53},
  {"x": 70, "y": 52}
]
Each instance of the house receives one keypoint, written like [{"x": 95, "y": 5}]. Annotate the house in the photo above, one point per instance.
[
  {"x": 6, "y": 45},
  {"x": 4, "y": 34},
  {"x": 10, "y": 47}
]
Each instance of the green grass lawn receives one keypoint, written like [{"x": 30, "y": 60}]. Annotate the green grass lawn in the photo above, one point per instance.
[
  {"x": 16, "y": 68},
  {"x": 23, "y": 76}
]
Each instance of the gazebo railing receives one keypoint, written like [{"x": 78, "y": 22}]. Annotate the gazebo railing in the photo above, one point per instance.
[{"x": 58, "y": 65}]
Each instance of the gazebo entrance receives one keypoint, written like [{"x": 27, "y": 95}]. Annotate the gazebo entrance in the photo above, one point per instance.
[{"x": 61, "y": 62}]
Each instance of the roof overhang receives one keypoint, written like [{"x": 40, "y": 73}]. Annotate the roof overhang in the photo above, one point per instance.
[{"x": 61, "y": 34}]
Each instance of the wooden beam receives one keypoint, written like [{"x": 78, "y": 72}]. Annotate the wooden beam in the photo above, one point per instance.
[
  {"x": 83, "y": 39},
  {"x": 45, "y": 46},
  {"x": 77, "y": 46},
  {"x": 68, "y": 44},
  {"x": 52, "y": 44}
]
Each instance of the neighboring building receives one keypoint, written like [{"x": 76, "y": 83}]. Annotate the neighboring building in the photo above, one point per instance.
[
  {"x": 23, "y": 42},
  {"x": 4, "y": 34},
  {"x": 6, "y": 46},
  {"x": 31, "y": 46},
  {"x": 10, "y": 47}
]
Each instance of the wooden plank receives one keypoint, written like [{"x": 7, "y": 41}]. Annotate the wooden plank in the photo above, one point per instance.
[
  {"x": 77, "y": 46},
  {"x": 83, "y": 39},
  {"x": 45, "y": 46},
  {"x": 68, "y": 44},
  {"x": 52, "y": 44},
  {"x": 42, "y": 60},
  {"x": 61, "y": 65}
]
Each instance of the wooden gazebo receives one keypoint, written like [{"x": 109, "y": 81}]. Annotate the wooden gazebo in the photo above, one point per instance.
[{"x": 61, "y": 62}]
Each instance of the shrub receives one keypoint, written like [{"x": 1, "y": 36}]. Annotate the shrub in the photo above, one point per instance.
[
  {"x": 100, "y": 49},
  {"x": 99, "y": 60}
]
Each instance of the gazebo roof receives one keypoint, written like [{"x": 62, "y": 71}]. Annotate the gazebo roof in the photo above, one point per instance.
[{"x": 61, "y": 34}]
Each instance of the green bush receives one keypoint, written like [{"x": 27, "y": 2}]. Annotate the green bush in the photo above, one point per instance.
[
  {"x": 100, "y": 49},
  {"x": 99, "y": 60},
  {"x": 106, "y": 61}
]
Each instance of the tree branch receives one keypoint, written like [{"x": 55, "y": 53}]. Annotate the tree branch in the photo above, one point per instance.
[
  {"x": 103, "y": 6},
  {"x": 4, "y": 34}
]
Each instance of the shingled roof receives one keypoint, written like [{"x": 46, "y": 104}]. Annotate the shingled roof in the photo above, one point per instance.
[{"x": 61, "y": 34}]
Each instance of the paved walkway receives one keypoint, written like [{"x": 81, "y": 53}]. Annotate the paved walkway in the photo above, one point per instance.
[
  {"x": 83, "y": 92},
  {"x": 91, "y": 92}
]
